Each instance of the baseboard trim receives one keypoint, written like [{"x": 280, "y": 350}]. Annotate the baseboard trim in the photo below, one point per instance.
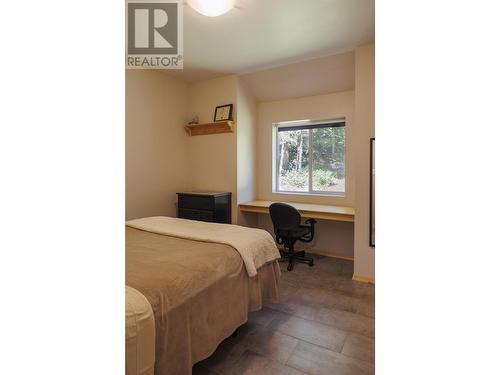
[
  {"x": 364, "y": 279},
  {"x": 323, "y": 253},
  {"x": 331, "y": 255}
]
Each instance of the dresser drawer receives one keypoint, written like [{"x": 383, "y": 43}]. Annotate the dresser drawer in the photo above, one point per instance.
[
  {"x": 205, "y": 206},
  {"x": 196, "y": 202},
  {"x": 200, "y": 215}
]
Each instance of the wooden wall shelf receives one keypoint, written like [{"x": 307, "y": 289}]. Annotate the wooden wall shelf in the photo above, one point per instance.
[{"x": 210, "y": 128}]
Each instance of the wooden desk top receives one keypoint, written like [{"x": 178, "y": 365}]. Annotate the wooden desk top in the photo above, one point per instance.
[{"x": 314, "y": 211}]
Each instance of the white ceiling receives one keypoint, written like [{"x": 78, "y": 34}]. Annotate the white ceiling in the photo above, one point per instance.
[{"x": 260, "y": 34}]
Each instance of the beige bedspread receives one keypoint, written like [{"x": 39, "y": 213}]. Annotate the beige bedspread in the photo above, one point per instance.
[
  {"x": 200, "y": 293},
  {"x": 256, "y": 246}
]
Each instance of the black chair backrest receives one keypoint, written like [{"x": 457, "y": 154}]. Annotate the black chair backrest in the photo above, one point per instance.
[{"x": 284, "y": 216}]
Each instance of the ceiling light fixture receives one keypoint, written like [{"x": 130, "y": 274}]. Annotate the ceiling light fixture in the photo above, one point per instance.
[{"x": 211, "y": 8}]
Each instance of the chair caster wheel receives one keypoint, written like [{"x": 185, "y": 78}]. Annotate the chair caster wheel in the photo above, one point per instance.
[
  {"x": 290, "y": 267},
  {"x": 311, "y": 263}
]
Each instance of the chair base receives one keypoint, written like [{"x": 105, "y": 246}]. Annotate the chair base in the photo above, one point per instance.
[{"x": 299, "y": 256}]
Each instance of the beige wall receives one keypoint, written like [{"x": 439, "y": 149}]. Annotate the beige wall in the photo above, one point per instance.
[
  {"x": 364, "y": 255},
  {"x": 161, "y": 159},
  {"x": 332, "y": 237},
  {"x": 246, "y": 151},
  {"x": 155, "y": 143},
  {"x": 212, "y": 159}
]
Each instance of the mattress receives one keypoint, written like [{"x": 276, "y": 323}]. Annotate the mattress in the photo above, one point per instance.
[{"x": 199, "y": 292}]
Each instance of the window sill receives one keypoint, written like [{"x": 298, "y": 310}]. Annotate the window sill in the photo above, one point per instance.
[{"x": 305, "y": 193}]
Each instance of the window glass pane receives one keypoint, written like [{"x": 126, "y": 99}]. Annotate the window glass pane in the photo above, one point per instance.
[
  {"x": 328, "y": 159},
  {"x": 293, "y": 160}
]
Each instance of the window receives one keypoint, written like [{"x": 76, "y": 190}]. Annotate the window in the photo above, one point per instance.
[{"x": 310, "y": 157}]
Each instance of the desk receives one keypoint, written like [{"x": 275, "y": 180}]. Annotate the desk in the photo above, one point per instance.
[{"x": 313, "y": 211}]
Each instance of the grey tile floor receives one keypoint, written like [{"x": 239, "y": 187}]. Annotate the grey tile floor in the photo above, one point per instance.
[{"x": 324, "y": 324}]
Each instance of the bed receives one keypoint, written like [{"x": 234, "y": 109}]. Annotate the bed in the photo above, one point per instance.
[
  {"x": 139, "y": 334},
  {"x": 200, "y": 281}
]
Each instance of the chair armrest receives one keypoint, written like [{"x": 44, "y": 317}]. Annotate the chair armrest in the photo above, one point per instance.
[{"x": 309, "y": 236}]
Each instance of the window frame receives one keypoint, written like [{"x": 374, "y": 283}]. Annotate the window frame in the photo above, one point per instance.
[{"x": 306, "y": 124}]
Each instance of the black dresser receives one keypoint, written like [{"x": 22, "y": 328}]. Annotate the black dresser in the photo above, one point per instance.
[{"x": 204, "y": 206}]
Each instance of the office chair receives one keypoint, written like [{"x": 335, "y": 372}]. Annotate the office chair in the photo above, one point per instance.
[{"x": 288, "y": 229}]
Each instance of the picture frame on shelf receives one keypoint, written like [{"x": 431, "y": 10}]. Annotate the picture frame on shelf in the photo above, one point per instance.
[{"x": 223, "y": 113}]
